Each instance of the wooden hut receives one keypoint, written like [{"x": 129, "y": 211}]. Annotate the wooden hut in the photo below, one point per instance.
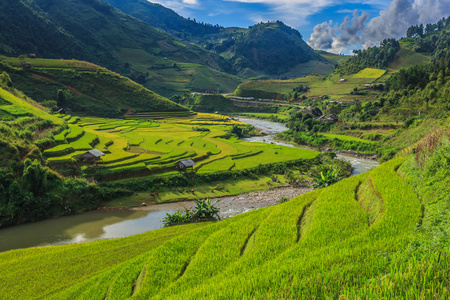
[
  {"x": 183, "y": 165},
  {"x": 93, "y": 155}
]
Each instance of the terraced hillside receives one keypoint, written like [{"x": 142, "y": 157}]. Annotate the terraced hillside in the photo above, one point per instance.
[
  {"x": 83, "y": 87},
  {"x": 142, "y": 146},
  {"x": 345, "y": 241},
  {"x": 314, "y": 86}
]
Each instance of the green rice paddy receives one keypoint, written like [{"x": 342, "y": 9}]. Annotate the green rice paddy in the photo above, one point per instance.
[
  {"x": 147, "y": 146},
  {"x": 370, "y": 73},
  {"x": 341, "y": 242}
]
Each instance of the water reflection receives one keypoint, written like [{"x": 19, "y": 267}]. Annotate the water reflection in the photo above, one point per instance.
[{"x": 85, "y": 227}]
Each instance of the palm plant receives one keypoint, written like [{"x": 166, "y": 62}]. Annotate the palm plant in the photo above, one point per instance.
[
  {"x": 204, "y": 209},
  {"x": 325, "y": 178}
]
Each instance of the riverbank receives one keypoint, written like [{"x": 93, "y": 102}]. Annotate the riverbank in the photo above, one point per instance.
[
  {"x": 248, "y": 194},
  {"x": 234, "y": 205}
]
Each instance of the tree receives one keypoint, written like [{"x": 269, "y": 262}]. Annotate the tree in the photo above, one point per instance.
[
  {"x": 237, "y": 131},
  {"x": 34, "y": 178},
  {"x": 316, "y": 112}
]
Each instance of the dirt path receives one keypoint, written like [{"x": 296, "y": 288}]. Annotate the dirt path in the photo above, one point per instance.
[
  {"x": 26, "y": 155},
  {"x": 72, "y": 89},
  {"x": 401, "y": 62}
]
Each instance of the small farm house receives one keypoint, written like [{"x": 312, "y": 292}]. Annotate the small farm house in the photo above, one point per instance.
[
  {"x": 93, "y": 155},
  {"x": 185, "y": 164}
]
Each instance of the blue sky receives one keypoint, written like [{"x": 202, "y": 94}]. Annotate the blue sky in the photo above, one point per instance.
[{"x": 336, "y": 26}]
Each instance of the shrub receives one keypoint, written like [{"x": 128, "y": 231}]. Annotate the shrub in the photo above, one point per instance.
[
  {"x": 283, "y": 199},
  {"x": 325, "y": 178},
  {"x": 204, "y": 210}
]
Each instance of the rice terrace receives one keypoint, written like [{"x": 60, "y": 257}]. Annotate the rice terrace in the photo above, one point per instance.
[
  {"x": 147, "y": 155},
  {"x": 152, "y": 147}
]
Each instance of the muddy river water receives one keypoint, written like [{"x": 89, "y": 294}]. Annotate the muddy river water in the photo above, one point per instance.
[{"x": 99, "y": 224}]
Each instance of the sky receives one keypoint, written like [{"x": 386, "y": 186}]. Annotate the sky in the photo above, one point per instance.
[{"x": 331, "y": 25}]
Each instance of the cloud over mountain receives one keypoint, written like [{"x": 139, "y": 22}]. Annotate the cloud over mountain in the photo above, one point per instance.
[{"x": 391, "y": 23}]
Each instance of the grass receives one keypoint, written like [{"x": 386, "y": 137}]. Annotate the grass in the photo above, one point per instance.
[
  {"x": 179, "y": 78},
  {"x": 407, "y": 57},
  {"x": 53, "y": 63},
  {"x": 14, "y": 110},
  {"x": 346, "y": 138},
  {"x": 154, "y": 148},
  {"x": 265, "y": 115},
  {"x": 370, "y": 73},
  {"x": 90, "y": 258},
  {"x": 318, "y": 86},
  {"x": 317, "y": 245},
  {"x": 228, "y": 188},
  {"x": 29, "y": 106}
]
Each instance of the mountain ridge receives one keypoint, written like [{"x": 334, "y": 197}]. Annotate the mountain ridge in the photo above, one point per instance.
[{"x": 252, "y": 51}]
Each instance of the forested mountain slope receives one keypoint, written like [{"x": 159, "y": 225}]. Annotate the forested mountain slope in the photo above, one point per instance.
[
  {"x": 263, "y": 50},
  {"x": 94, "y": 31}
]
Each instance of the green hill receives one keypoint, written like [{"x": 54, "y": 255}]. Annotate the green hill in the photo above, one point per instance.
[
  {"x": 270, "y": 50},
  {"x": 162, "y": 17},
  {"x": 83, "y": 87},
  {"x": 357, "y": 238},
  {"x": 30, "y": 191},
  {"x": 94, "y": 31},
  {"x": 335, "y": 58}
]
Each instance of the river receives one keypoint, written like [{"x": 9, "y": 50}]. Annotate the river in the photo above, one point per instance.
[
  {"x": 360, "y": 165},
  {"x": 100, "y": 224}
]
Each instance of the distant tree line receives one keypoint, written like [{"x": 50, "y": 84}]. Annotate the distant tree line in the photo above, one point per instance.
[
  {"x": 433, "y": 38},
  {"x": 375, "y": 57}
]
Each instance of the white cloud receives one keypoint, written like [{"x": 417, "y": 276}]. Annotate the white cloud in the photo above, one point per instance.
[
  {"x": 345, "y": 11},
  {"x": 292, "y": 12},
  {"x": 180, "y": 6},
  {"x": 392, "y": 22},
  {"x": 336, "y": 38}
]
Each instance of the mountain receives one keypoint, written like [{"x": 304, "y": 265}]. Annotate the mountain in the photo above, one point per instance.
[
  {"x": 83, "y": 87},
  {"x": 271, "y": 50},
  {"x": 167, "y": 20},
  {"x": 93, "y": 30},
  {"x": 25, "y": 28}
]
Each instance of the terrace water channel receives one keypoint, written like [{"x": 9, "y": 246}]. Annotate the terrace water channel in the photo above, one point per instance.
[{"x": 100, "y": 224}]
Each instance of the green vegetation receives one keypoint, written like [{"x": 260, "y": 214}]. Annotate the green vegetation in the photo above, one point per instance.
[
  {"x": 374, "y": 57},
  {"x": 325, "y": 178},
  {"x": 322, "y": 244},
  {"x": 204, "y": 210},
  {"x": 249, "y": 52},
  {"x": 84, "y": 87},
  {"x": 118, "y": 42},
  {"x": 337, "y": 59},
  {"x": 209, "y": 103},
  {"x": 369, "y": 73},
  {"x": 315, "y": 89},
  {"x": 378, "y": 235},
  {"x": 140, "y": 147}
]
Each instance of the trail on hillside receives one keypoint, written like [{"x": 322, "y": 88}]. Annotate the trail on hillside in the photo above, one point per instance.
[
  {"x": 404, "y": 59},
  {"x": 72, "y": 89}
]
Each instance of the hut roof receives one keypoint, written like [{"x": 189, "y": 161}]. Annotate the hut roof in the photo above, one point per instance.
[
  {"x": 187, "y": 163},
  {"x": 95, "y": 152}
]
